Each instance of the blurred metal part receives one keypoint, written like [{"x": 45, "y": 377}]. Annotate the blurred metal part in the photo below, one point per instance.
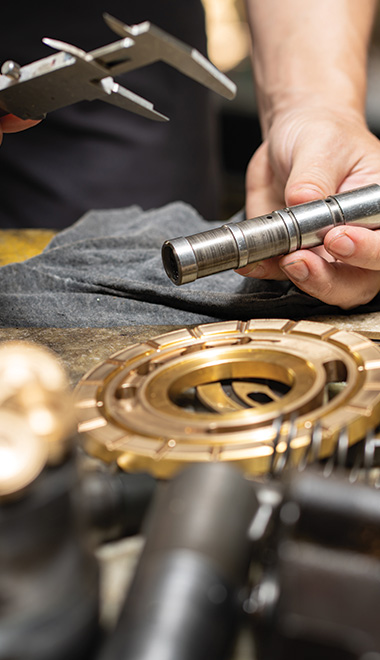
[
  {"x": 319, "y": 591},
  {"x": 113, "y": 504},
  {"x": 23, "y": 455},
  {"x": 34, "y": 386},
  {"x": 366, "y": 465},
  {"x": 185, "y": 598},
  {"x": 228, "y": 41},
  {"x": 248, "y": 392},
  {"x": 48, "y": 574},
  {"x": 72, "y": 75},
  {"x": 234, "y": 245}
]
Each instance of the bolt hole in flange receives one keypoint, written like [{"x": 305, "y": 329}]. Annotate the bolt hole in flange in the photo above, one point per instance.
[{"x": 217, "y": 392}]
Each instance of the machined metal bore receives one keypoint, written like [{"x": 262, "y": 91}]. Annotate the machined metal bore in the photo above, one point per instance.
[
  {"x": 233, "y": 391},
  {"x": 235, "y": 245}
]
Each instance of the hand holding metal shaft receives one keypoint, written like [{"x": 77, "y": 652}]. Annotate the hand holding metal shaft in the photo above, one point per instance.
[{"x": 235, "y": 245}]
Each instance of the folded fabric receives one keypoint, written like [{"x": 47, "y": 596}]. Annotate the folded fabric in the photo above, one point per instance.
[{"x": 106, "y": 271}]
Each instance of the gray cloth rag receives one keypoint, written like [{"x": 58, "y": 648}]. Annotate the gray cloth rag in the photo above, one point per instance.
[{"x": 106, "y": 270}]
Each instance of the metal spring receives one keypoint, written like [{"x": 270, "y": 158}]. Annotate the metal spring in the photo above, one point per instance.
[
  {"x": 366, "y": 465},
  {"x": 281, "y": 461},
  {"x": 360, "y": 462}
]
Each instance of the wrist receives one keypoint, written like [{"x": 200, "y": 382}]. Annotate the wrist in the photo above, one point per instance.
[
  {"x": 276, "y": 105},
  {"x": 315, "y": 53}
]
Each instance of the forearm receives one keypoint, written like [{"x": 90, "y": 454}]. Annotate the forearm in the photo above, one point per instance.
[{"x": 309, "y": 49}]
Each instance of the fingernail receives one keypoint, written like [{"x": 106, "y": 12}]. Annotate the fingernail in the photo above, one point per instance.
[
  {"x": 341, "y": 246},
  {"x": 296, "y": 270}
]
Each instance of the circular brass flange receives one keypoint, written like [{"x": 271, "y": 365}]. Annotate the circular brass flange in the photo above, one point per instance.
[{"x": 234, "y": 391}]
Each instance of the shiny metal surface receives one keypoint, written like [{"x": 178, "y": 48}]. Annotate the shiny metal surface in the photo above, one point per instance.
[
  {"x": 23, "y": 455},
  {"x": 72, "y": 75},
  {"x": 235, "y": 245},
  {"x": 36, "y": 411},
  {"x": 232, "y": 391}
]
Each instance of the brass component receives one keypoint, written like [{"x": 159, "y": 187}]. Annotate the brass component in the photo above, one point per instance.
[
  {"x": 23, "y": 455},
  {"x": 33, "y": 386},
  {"x": 231, "y": 391}
]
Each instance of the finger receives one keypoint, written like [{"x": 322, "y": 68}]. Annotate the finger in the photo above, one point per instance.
[
  {"x": 334, "y": 283},
  {"x": 356, "y": 246},
  {"x": 268, "y": 269},
  {"x": 13, "y": 124},
  {"x": 263, "y": 194},
  {"x": 319, "y": 166}
]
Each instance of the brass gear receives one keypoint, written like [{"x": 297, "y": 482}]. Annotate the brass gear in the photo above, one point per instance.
[{"x": 233, "y": 391}]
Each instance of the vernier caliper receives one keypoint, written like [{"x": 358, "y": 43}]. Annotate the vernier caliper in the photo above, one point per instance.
[{"x": 71, "y": 74}]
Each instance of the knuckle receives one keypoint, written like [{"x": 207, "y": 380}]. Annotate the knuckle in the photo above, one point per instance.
[
  {"x": 369, "y": 287},
  {"x": 325, "y": 291}
]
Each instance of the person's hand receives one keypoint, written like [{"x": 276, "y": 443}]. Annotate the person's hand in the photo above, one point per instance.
[
  {"x": 13, "y": 124},
  {"x": 310, "y": 153}
]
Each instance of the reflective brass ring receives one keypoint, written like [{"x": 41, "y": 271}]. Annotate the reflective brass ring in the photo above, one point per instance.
[{"x": 231, "y": 391}]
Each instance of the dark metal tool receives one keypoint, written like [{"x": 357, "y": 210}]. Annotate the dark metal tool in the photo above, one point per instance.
[
  {"x": 235, "y": 245},
  {"x": 72, "y": 75},
  {"x": 318, "y": 593},
  {"x": 185, "y": 598}
]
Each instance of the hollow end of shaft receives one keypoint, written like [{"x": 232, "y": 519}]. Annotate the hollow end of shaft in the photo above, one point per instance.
[{"x": 179, "y": 261}]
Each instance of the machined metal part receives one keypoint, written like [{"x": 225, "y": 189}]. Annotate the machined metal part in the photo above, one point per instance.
[
  {"x": 235, "y": 245},
  {"x": 36, "y": 415},
  {"x": 247, "y": 392},
  {"x": 23, "y": 455},
  {"x": 321, "y": 572},
  {"x": 114, "y": 503},
  {"x": 49, "y": 575},
  {"x": 72, "y": 75},
  {"x": 184, "y": 600}
]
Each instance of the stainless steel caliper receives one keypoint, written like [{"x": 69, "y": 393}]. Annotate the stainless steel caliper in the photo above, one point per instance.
[{"x": 71, "y": 74}]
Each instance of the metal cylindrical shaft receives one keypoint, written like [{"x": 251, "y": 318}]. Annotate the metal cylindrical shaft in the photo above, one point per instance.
[
  {"x": 235, "y": 245},
  {"x": 183, "y": 603}
]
